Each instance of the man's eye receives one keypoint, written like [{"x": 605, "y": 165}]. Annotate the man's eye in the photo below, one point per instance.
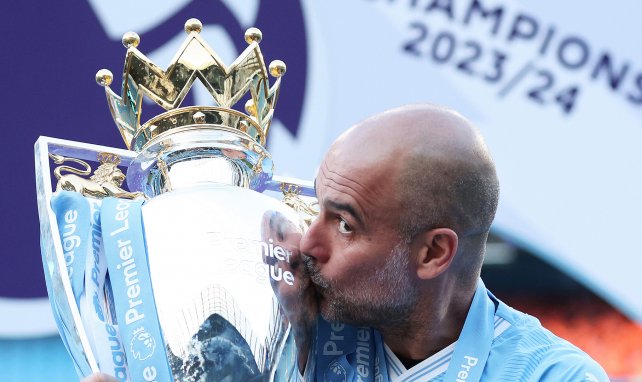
[{"x": 344, "y": 227}]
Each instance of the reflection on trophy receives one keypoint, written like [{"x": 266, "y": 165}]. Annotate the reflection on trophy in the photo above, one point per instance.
[{"x": 192, "y": 273}]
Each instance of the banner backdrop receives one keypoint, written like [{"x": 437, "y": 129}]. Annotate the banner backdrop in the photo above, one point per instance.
[{"x": 556, "y": 89}]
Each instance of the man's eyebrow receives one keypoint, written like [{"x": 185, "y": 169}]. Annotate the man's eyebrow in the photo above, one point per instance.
[{"x": 345, "y": 207}]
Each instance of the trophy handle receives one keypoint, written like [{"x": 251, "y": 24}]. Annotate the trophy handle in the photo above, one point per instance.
[
  {"x": 105, "y": 181},
  {"x": 63, "y": 303},
  {"x": 65, "y": 310}
]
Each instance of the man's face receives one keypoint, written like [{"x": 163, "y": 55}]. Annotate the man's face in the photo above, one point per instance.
[{"x": 359, "y": 263}]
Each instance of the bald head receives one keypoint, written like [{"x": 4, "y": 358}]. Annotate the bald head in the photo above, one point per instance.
[{"x": 443, "y": 173}]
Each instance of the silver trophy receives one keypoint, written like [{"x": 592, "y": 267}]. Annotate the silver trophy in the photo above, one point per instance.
[{"x": 222, "y": 251}]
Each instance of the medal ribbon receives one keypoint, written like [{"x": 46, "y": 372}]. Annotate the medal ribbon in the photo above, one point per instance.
[
  {"x": 347, "y": 353},
  {"x": 473, "y": 345}
]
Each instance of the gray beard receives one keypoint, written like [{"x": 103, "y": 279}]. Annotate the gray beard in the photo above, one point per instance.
[{"x": 383, "y": 298}]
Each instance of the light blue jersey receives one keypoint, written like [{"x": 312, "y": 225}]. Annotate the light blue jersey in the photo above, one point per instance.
[
  {"x": 521, "y": 350},
  {"x": 497, "y": 343}
]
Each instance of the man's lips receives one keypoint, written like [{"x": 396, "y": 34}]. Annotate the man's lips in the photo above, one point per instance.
[{"x": 318, "y": 283}]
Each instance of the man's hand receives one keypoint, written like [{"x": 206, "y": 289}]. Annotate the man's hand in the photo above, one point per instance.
[{"x": 99, "y": 377}]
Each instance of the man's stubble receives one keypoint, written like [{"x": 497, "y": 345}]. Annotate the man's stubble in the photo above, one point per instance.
[{"x": 381, "y": 298}]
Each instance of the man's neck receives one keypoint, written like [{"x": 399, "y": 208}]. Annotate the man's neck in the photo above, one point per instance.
[
  {"x": 436, "y": 324},
  {"x": 409, "y": 363}
]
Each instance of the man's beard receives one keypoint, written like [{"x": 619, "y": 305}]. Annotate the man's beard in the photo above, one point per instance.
[{"x": 384, "y": 297}]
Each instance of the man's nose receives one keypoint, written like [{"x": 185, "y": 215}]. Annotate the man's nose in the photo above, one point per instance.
[{"x": 313, "y": 244}]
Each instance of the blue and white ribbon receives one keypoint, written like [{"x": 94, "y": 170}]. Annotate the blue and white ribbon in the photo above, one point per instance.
[
  {"x": 72, "y": 216},
  {"x": 104, "y": 336},
  {"x": 132, "y": 290},
  {"x": 473, "y": 345},
  {"x": 348, "y": 353}
]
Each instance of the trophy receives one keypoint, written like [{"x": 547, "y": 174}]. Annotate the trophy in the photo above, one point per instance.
[{"x": 188, "y": 274}]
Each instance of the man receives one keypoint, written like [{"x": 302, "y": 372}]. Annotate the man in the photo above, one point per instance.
[{"x": 406, "y": 201}]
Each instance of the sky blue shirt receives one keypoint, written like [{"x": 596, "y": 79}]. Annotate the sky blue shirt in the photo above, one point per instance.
[{"x": 521, "y": 350}]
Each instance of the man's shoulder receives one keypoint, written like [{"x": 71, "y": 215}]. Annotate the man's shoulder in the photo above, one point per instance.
[{"x": 526, "y": 348}]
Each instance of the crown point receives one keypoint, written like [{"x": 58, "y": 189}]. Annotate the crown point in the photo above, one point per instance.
[
  {"x": 250, "y": 108},
  {"x": 253, "y": 35},
  {"x": 193, "y": 25},
  {"x": 104, "y": 77},
  {"x": 277, "y": 68},
  {"x": 199, "y": 117},
  {"x": 130, "y": 39}
]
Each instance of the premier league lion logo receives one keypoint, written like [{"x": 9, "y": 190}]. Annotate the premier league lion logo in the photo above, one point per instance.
[
  {"x": 335, "y": 372},
  {"x": 142, "y": 344}
]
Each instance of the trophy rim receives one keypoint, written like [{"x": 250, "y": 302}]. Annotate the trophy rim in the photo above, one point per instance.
[
  {"x": 176, "y": 120},
  {"x": 195, "y": 142}
]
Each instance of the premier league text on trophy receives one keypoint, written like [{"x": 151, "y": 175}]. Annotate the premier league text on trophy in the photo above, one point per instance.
[
  {"x": 128, "y": 266},
  {"x": 248, "y": 251},
  {"x": 130, "y": 273}
]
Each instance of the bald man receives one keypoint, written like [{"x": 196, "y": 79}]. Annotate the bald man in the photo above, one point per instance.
[
  {"x": 407, "y": 199},
  {"x": 393, "y": 264}
]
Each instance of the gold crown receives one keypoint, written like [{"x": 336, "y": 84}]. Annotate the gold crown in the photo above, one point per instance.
[
  {"x": 195, "y": 59},
  {"x": 108, "y": 158}
]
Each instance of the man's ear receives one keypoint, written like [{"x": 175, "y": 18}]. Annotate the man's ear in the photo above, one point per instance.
[{"x": 436, "y": 250}]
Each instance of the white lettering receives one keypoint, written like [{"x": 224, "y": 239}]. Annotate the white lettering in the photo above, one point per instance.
[
  {"x": 472, "y": 361},
  {"x": 132, "y": 315},
  {"x": 337, "y": 327},
  {"x": 133, "y": 291},
  {"x": 128, "y": 266},
  {"x": 288, "y": 277},
  {"x": 330, "y": 347},
  {"x": 69, "y": 240},
  {"x": 71, "y": 216},
  {"x": 122, "y": 216},
  {"x": 363, "y": 352},
  {"x": 377, "y": 370},
  {"x": 279, "y": 252},
  {"x": 96, "y": 240},
  {"x": 117, "y": 353},
  {"x": 149, "y": 373},
  {"x": 464, "y": 373},
  {"x": 122, "y": 229},
  {"x": 275, "y": 276}
]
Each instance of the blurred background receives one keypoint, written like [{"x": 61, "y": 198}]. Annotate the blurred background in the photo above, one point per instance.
[{"x": 555, "y": 87}]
